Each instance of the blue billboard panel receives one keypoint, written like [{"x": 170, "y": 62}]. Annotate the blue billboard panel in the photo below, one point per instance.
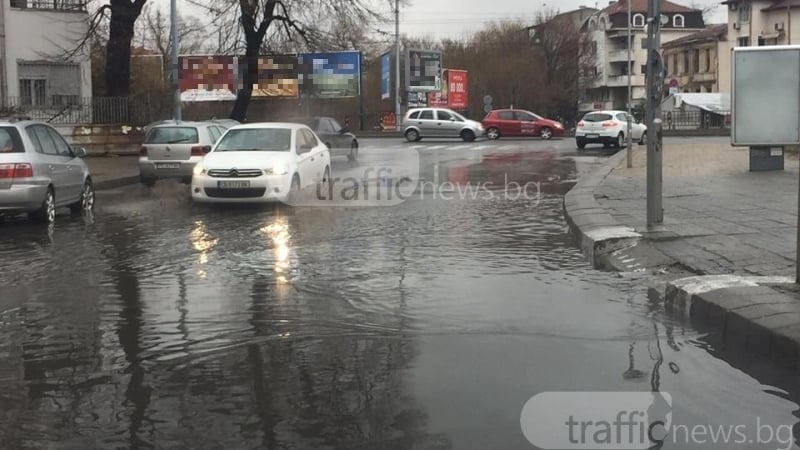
[
  {"x": 386, "y": 76},
  {"x": 331, "y": 75}
]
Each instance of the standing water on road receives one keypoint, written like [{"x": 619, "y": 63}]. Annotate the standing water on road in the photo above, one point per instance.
[{"x": 426, "y": 325}]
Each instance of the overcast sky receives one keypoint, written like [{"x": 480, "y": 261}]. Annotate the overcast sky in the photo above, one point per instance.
[{"x": 455, "y": 18}]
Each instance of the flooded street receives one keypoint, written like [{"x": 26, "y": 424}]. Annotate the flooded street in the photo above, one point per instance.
[{"x": 425, "y": 325}]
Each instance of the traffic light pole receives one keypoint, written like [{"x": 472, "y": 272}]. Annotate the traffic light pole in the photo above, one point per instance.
[{"x": 655, "y": 88}]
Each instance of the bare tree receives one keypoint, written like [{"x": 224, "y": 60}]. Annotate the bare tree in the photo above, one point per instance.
[
  {"x": 295, "y": 20},
  {"x": 155, "y": 34},
  {"x": 707, "y": 9}
]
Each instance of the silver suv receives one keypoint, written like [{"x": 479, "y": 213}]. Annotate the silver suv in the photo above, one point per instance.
[
  {"x": 171, "y": 149},
  {"x": 40, "y": 172},
  {"x": 439, "y": 123}
]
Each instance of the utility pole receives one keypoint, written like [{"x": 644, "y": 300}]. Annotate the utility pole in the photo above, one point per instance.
[
  {"x": 655, "y": 87},
  {"x": 630, "y": 90},
  {"x": 398, "y": 109},
  {"x": 173, "y": 18}
]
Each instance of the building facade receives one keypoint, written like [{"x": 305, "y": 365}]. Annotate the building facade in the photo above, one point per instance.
[
  {"x": 763, "y": 22},
  {"x": 699, "y": 63},
  {"x": 607, "y": 87},
  {"x": 37, "y": 67}
]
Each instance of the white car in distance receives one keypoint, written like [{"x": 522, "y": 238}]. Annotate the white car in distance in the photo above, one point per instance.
[{"x": 261, "y": 163}]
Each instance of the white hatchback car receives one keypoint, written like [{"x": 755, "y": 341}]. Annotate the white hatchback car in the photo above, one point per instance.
[
  {"x": 261, "y": 162},
  {"x": 608, "y": 128}
]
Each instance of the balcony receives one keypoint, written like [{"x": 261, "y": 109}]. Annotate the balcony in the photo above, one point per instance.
[
  {"x": 622, "y": 80},
  {"x": 620, "y": 55},
  {"x": 704, "y": 77}
]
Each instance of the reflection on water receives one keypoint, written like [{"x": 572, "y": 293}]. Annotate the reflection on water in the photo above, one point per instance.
[{"x": 427, "y": 325}]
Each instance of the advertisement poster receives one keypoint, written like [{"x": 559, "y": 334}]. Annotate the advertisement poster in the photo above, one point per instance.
[
  {"x": 386, "y": 76},
  {"x": 454, "y": 90},
  {"x": 277, "y": 76},
  {"x": 330, "y": 75},
  {"x": 424, "y": 70},
  {"x": 207, "y": 78},
  {"x": 417, "y": 100}
]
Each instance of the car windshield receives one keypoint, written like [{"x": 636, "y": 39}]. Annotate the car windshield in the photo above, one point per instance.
[
  {"x": 172, "y": 135},
  {"x": 256, "y": 139},
  {"x": 596, "y": 117}
]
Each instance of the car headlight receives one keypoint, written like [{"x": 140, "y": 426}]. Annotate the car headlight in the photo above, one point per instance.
[
  {"x": 277, "y": 169},
  {"x": 558, "y": 125},
  {"x": 199, "y": 169}
]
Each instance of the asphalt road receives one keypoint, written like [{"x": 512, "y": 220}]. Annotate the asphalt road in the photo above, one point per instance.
[{"x": 425, "y": 324}]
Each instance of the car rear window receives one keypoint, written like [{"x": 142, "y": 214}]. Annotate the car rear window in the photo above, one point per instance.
[
  {"x": 172, "y": 135},
  {"x": 10, "y": 141},
  {"x": 596, "y": 117}
]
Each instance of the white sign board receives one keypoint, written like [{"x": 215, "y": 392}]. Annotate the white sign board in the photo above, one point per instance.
[{"x": 765, "y": 98}]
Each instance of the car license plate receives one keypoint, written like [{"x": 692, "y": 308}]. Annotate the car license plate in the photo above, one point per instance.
[
  {"x": 592, "y": 136},
  {"x": 168, "y": 166},
  {"x": 233, "y": 184}
]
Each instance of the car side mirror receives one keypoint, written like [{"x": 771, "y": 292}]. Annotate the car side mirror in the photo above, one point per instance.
[
  {"x": 343, "y": 130},
  {"x": 207, "y": 149},
  {"x": 79, "y": 152},
  {"x": 452, "y": 119}
]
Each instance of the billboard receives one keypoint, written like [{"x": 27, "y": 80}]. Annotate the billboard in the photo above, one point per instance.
[
  {"x": 765, "y": 92},
  {"x": 386, "y": 76},
  {"x": 208, "y": 78},
  {"x": 330, "y": 75},
  {"x": 453, "y": 93},
  {"x": 423, "y": 70},
  {"x": 277, "y": 76}
]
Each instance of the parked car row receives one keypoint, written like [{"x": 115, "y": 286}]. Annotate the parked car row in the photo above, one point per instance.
[{"x": 420, "y": 123}]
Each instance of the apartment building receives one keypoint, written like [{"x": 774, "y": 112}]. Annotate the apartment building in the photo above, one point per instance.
[
  {"x": 763, "y": 22},
  {"x": 36, "y": 39},
  {"x": 608, "y": 31},
  {"x": 700, "y": 62}
]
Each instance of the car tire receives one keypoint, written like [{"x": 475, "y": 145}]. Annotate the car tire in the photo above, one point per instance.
[
  {"x": 413, "y": 135},
  {"x": 353, "y": 156},
  {"x": 546, "y": 133},
  {"x": 147, "y": 182},
  {"x": 643, "y": 140},
  {"x": 493, "y": 133},
  {"x": 294, "y": 189},
  {"x": 581, "y": 145},
  {"x": 86, "y": 203},
  {"x": 620, "y": 141},
  {"x": 467, "y": 135},
  {"x": 47, "y": 211}
]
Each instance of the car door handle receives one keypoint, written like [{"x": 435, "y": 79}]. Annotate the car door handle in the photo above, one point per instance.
[
  {"x": 440, "y": 124},
  {"x": 312, "y": 159}
]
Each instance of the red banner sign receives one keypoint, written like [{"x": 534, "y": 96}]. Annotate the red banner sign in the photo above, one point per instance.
[{"x": 454, "y": 91}]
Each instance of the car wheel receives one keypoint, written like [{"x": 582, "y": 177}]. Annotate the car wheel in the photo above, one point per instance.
[
  {"x": 322, "y": 186},
  {"x": 467, "y": 135},
  {"x": 148, "y": 182},
  {"x": 86, "y": 203},
  {"x": 546, "y": 133},
  {"x": 47, "y": 211},
  {"x": 493, "y": 133},
  {"x": 643, "y": 141},
  {"x": 294, "y": 190},
  {"x": 353, "y": 151},
  {"x": 620, "y": 141},
  {"x": 412, "y": 135},
  {"x": 581, "y": 145}
]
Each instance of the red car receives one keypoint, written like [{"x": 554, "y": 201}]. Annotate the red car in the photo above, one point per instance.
[{"x": 518, "y": 122}]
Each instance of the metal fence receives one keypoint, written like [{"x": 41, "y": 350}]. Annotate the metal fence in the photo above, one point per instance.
[
  {"x": 695, "y": 120},
  {"x": 68, "y": 110}
]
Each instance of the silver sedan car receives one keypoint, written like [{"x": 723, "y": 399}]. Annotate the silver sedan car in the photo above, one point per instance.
[
  {"x": 40, "y": 172},
  {"x": 439, "y": 123},
  {"x": 171, "y": 149}
]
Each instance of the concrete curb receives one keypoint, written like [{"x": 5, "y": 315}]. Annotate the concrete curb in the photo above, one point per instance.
[
  {"x": 744, "y": 310},
  {"x": 115, "y": 183},
  {"x": 597, "y": 231}
]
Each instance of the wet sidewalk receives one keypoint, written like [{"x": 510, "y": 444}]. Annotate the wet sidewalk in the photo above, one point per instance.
[
  {"x": 109, "y": 172},
  {"x": 734, "y": 229}
]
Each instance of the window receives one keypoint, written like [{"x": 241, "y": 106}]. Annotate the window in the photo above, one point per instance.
[
  {"x": 414, "y": 115},
  {"x": 45, "y": 141},
  {"x": 744, "y": 41},
  {"x": 638, "y": 21},
  {"x": 32, "y": 92},
  {"x": 678, "y": 21},
  {"x": 744, "y": 12},
  {"x": 597, "y": 117},
  {"x": 324, "y": 126},
  {"x": 61, "y": 145},
  {"x": 310, "y": 139},
  {"x": 666, "y": 66},
  {"x": 444, "y": 115},
  {"x": 644, "y": 43},
  {"x": 426, "y": 114},
  {"x": 685, "y": 62},
  {"x": 708, "y": 60},
  {"x": 213, "y": 133},
  {"x": 525, "y": 116},
  {"x": 644, "y": 69},
  {"x": 505, "y": 115},
  {"x": 696, "y": 61},
  {"x": 622, "y": 117},
  {"x": 335, "y": 125},
  {"x": 675, "y": 69},
  {"x": 10, "y": 141},
  {"x": 172, "y": 135}
]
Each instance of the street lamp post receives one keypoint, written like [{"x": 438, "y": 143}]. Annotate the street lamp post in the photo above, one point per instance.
[
  {"x": 630, "y": 90},
  {"x": 655, "y": 85},
  {"x": 173, "y": 16},
  {"x": 397, "y": 101}
]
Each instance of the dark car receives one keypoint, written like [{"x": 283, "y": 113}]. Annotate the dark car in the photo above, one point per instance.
[
  {"x": 518, "y": 122},
  {"x": 339, "y": 139}
]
